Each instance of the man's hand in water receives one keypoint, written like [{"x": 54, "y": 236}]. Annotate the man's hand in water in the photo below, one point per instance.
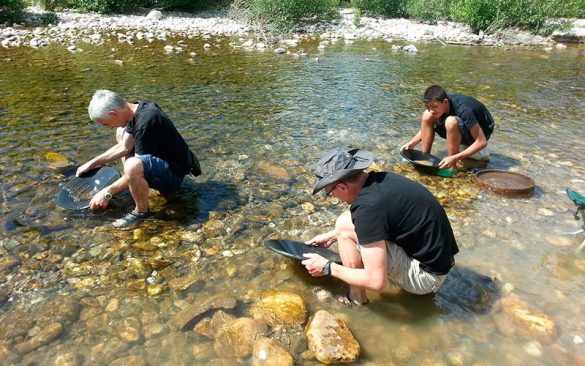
[
  {"x": 448, "y": 162},
  {"x": 83, "y": 169},
  {"x": 322, "y": 240},
  {"x": 99, "y": 201}
]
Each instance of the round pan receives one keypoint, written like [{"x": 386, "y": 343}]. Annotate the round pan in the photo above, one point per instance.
[
  {"x": 505, "y": 182},
  {"x": 78, "y": 191},
  {"x": 421, "y": 159},
  {"x": 296, "y": 249}
]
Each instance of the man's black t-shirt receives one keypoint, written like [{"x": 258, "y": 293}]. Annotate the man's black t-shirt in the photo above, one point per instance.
[
  {"x": 471, "y": 111},
  {"x": 392, "y": 207},
  {"x": 155, "y": 134}
]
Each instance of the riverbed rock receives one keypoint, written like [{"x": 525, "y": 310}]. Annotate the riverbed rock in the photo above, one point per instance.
[
  {"x": 129, "y": 330},
  {"x": 529, "y": 320},
  {"x": 210, "y": 326},
  {"x": 267, "y": 352},
  {"x": 236, "y": 338},
  {"x": 330, "y": 340},
  {"x": 189, "y": 315},
  {"x": 67, "y": 359},
  {"x": 575, "y": 34},
  {"x": 183, "y": 283},
  {"x": 279, "y": 308},
  {"x": 213, "y": 228},
  {"x": 45, "y": 336},
  {"x": 277, "y": 172}
]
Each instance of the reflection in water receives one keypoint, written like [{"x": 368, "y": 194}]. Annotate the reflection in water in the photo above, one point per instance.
[{"x": 74, "y": 289}]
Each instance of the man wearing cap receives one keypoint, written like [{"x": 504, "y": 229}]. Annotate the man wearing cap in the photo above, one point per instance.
[{"x": 395, "y": 229}]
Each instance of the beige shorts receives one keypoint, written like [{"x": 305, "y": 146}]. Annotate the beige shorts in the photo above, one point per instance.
[{"x": 407, "y": 274}]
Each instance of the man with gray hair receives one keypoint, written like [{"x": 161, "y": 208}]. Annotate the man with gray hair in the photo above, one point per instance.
[
  {"x": 395, "y": 229},
  {"x": 153, "y": 152}
]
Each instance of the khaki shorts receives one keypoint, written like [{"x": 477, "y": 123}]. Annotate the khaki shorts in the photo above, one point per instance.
[{"x": 407, "y": 274}]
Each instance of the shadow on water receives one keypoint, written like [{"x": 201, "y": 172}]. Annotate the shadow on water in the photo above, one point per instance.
[{"x": 466, "y": 292}]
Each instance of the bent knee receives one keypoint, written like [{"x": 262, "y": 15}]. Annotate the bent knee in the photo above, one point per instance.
[
  {"x": 133, "y": 165},
  {"x": 451, "y": 124}
]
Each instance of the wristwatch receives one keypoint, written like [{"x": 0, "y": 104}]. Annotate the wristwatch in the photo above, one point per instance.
[
  {"x": 327, "y": 268},
  {"x": 107, "y": 195}
]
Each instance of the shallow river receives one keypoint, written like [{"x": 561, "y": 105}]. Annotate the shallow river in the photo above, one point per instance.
[{"x": 259, "y": 121}]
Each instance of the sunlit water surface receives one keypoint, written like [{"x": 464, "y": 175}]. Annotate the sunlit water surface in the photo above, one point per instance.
[{"x": 259, "y": 121}]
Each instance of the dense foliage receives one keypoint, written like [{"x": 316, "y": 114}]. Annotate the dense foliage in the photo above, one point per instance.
[
  {"x": 10, "y": 10},
  {"x": 124, "y": 6},
  {"x": 283, "y": 15},
  {"x": 479, "y": 14},
  {"x": 389, "y": 8}
]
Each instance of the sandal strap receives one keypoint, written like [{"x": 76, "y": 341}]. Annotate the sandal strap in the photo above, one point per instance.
[{"x": 131, "y": 218}]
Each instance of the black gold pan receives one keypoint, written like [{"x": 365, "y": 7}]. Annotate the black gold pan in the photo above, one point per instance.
[{"x": 296, "y": 249}]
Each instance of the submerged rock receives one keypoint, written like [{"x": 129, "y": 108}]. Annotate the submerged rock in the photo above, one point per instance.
[
  {"x": 280, "y": 308},
  {"x": 530, "y": 321},
  {"x": 189, "y": 315},
  {"x": 45, "y": 336},
  {"x": 236, "y": 338},
  {"x": 268, "y": 352},
  {"x": 210, "y": 326},
  {"x": 330, "y": 340}
]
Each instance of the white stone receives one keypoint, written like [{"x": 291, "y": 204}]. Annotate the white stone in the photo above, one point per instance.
[
  {"x": 533, "y": 348},
  {"x": 577, "y": 340},
  {"x": 155, "y": 15},
  {"x": 410, "y": 48}
]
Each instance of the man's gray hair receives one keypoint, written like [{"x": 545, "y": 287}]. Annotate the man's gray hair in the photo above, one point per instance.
[{"x": 102, "y": 102}]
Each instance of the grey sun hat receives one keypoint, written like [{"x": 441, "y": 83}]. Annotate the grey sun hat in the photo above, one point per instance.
[{"x": 337, "y": 164}]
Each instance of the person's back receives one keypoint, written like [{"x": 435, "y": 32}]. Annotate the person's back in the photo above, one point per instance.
[
  {"x": 471, "y": 111},
  {"x": 392, "y": 207},
  {"x": 155, "y": 134}
]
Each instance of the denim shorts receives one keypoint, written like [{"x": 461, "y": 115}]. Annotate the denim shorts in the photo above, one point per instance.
[
  {"x": 158, "y": 174},
  {"x": 466, "y": 138}
]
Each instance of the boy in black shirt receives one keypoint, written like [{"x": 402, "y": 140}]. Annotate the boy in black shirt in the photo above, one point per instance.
[
  {"x": 461, "y": 119},
  {"x": 395, "y": 229}
]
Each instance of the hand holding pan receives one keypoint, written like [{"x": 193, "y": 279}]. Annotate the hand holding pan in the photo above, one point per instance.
[
  {"x": 76, "y": 193},
  {"x": 426, "y": 162},
  {"x": 296, "y": 249}
]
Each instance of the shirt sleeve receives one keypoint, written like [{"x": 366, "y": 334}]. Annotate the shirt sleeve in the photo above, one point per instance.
[
  {"x": 370, "y": 224},
  {"x": 467, "y": 116}
]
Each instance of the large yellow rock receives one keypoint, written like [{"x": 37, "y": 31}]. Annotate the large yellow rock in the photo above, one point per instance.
[
  {"x": 236, "y": 338},
  {"x": 530, "y": 321},
  {"x": 279, "y": 308},
  {"x": 330, "y": 340}
]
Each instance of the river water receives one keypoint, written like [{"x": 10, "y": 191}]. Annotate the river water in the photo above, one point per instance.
[{"x": 258, "y": 122}]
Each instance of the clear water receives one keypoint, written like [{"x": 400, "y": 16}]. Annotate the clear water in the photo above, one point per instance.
[{"x": 247, "y": 115}]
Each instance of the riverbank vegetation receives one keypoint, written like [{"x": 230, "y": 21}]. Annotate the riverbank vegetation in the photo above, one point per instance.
[{"x": 285, "y": 15}]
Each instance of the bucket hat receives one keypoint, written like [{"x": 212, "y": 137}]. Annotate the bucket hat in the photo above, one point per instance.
[{"x": 337, "y": 164}]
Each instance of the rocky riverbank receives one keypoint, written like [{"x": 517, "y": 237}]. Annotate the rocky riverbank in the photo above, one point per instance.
[{"x": 73, "y": 28}]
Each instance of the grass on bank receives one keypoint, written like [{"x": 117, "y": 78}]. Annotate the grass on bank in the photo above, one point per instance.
[{"x": 285, "y": 15}]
